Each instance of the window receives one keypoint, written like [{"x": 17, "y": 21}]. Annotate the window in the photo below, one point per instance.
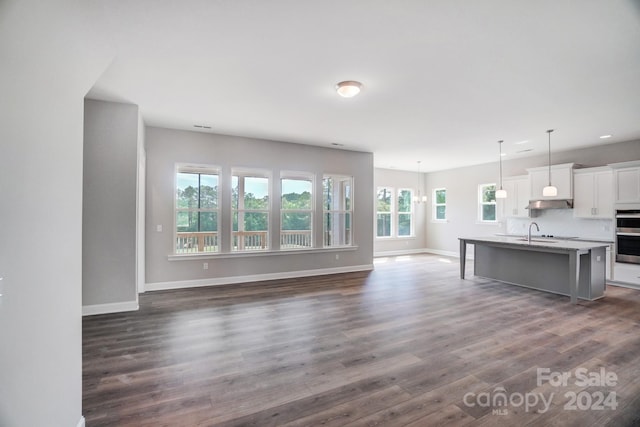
[
  {"x": 384, "y": 209},
  {"x": 440, "y": 204},
  {"x": 405, "y": 213},
  {"x": 296, "y": 212},
  {"x": 487, "y": 202},
  {"x": 337, "y": 210},
  {"x": 196, "y": 209},
  {"x": 250, "y": 211}
]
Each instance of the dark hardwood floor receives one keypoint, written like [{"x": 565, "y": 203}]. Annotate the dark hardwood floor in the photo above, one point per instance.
[{"x": 409, "y": 344}]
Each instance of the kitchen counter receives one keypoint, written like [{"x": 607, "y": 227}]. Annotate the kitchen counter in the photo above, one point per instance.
[{"x": 568, "y": 267}]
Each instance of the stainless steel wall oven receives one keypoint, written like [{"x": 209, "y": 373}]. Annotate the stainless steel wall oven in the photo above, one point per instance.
[{"x": 628, "y": 236}]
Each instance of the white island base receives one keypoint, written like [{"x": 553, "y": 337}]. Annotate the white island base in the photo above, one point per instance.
[{"x": 575, "y": 269}]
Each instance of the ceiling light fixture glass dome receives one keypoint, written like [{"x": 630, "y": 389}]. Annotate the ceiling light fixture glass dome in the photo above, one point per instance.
[{"x": 348, "y": 88}]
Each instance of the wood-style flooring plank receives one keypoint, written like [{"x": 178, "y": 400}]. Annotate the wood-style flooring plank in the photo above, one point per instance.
[{"x": 401, "y": 345}]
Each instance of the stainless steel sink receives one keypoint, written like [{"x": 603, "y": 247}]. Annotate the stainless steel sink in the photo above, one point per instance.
[{"x": 524, "y": 239}]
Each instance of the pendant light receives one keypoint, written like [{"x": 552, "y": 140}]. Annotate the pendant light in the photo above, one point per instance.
[
  {"x": 501, "y": 194},
  {"x": 549, "y": 190},
  {"x": 417, "y": 198}
]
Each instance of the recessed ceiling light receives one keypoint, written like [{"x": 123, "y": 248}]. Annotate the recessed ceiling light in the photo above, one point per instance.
[
  {"x": 605, "y": 136},
  {"x": 521, "y": 142},
  {"x": 524, "y": 151},
  {"x": 349, "y": 88},
  {"x": 503, "y": 154}
]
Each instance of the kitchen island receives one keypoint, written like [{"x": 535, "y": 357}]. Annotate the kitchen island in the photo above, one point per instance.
[{"x": 565, "y": 267}]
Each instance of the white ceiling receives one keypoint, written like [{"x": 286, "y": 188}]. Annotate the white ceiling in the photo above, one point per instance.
[{"x": 443, "y": 79}]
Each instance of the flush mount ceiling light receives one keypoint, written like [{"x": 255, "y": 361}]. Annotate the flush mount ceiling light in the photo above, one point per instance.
[
  {"x": 605, "y": 136},
  {"x": 549, "y": 190},
  {"x": 349, "y": 88},
  {"x": 501, "y": 194}
]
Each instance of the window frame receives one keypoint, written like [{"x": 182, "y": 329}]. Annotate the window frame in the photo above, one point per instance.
[
  {"x": 436, "y": 205},
  {"x": 482, "y": 203},
  {"x": 411, "y": 213},
  {"x": 389, "y": 213},
  {"x": 347, "y": 211},
  {"x": 265, "y": 239},
  {"x": 197, "y": 169},
  {"x": 298, "y": 176}
]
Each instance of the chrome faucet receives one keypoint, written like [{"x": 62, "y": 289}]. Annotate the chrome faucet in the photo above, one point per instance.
[{"x": 537, "y": 228}]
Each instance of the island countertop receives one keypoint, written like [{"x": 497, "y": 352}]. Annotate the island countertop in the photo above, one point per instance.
[
  {"x": 537, "y": 243},
  {"x": 547, "y": 264}
]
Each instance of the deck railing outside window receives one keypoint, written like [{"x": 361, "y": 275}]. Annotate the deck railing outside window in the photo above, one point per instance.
[
  {"x": 293, "y": 239},
  {"x": 194, "y": 242}
]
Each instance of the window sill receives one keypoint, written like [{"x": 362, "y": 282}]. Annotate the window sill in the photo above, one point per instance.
[
  {"x": 385, "y": 239},
  {"x": 221, "y": 255}
]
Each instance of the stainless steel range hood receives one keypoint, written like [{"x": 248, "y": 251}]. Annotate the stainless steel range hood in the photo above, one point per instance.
[{"x": 550, "y": 204}]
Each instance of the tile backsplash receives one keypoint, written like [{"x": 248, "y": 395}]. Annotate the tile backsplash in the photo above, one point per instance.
[{"x": 560, "y": 222}]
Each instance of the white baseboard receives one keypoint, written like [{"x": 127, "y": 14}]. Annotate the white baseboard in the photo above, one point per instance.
[
  {"x": 399, "y": 252},
  {"x": 623, "y": 284},
  {"x": 81, "y": 422},
  {"x": 454, "y": 254},
  {"x": 162, "y": 286},
  {"x": 114, "y": 307}
]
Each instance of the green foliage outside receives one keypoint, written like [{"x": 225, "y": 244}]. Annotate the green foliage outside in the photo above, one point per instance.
[
  {"x": 488, "y": 196},
  {"x": 441, "y": 199}
]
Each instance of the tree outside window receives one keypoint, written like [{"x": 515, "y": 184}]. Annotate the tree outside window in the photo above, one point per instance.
[
  {"x": 487, "y": 199},
  {"x": 440, "y": 204},
  {"x": 196, "y": 210},
  {"x": 250, "y": 211},
  {"x": 296, "y": 212},
  {"x": 405, "y": 213},
  {"x": 384, "y": 212}
]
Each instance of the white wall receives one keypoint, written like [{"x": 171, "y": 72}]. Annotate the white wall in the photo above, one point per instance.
[
  {"x": 51, "y": 54},
  {"x": 167, "y": 147},
  {"x": 462, "y": 198},
  {"x": 112, "y": 147},
  {"x": 402, "y": 179},
  {"x": 462, "y": 207}
]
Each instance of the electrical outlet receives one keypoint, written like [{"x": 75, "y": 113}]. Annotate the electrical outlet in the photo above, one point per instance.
[
  {"x": 337, "y": 256},
  {"x": 205, "y": 265},
  {"x": 159, "y": 228}
]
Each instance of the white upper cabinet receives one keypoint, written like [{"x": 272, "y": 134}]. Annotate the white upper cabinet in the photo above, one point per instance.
[
  {"x": 515, "y": 205},
  {"x": 561, "y": 178},
  {"x": 593, "y": 193},
  {"x": 626, "y": 182}
]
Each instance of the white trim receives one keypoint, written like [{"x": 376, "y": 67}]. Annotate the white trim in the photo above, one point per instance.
[
  {"x": 240, "y": 254},
  {"x": 398, "y": 252},
  {"x": 623, "y": 284},
  {"x": 113, "y": 307},
  {"x": 162, "y": 286},
  {"x": 447, "y": 253},
  {"x": 80, "y": 422}
]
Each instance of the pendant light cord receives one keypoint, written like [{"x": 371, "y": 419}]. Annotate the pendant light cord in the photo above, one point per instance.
[
  {"x": 500, "y": 145},
  {"x": 549, "y": 163}
]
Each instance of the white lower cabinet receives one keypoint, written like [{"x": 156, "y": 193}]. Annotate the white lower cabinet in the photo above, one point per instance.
[
  {"x": 627, "y": 273},
  {"x": 609, "y": 264}
]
